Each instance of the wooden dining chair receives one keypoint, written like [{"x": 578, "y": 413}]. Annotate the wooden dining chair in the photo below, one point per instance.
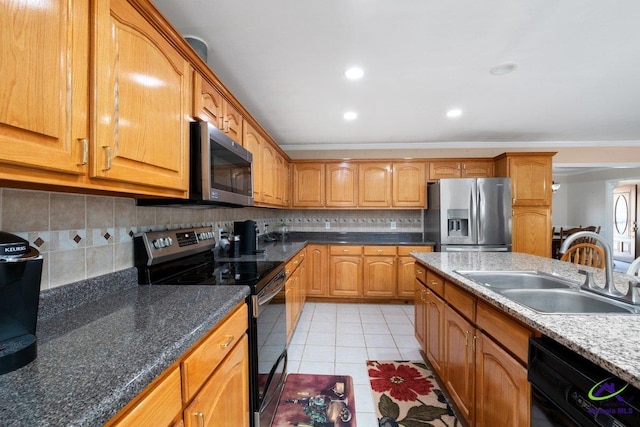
[{"x": 585, "y": 254}]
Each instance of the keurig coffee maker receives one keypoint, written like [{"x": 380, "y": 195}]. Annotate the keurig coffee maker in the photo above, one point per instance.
[
  {"x": 248, "y": 232},
  {"x": 20, "y": 274}
]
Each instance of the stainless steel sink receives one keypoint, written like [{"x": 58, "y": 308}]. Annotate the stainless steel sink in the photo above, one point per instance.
[
  {"x": 518, "y": 280},
  {"x": 546, "y": 293},
  {"x": 565, "y": 301}
]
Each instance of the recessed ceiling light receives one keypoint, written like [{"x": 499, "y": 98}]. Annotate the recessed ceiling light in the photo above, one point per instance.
[
  {"x": 455, "y": 112},
  {"x": 354, "y": 73},
  {"x": 505, "y": 68},
  {"x": 350, "y": 115}
]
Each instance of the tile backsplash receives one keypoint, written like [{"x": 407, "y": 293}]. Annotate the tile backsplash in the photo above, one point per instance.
[{"x": 83, "y": 236}]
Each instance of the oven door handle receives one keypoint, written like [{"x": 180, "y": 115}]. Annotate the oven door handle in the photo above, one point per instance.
[{"x": 264, "y": 299}]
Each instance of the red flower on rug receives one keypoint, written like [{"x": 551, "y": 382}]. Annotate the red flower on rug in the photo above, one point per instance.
[{"x": 403, "y": 382}]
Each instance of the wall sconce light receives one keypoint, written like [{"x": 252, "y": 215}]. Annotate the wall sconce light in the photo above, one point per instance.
[{"x": 554, "y": 187}]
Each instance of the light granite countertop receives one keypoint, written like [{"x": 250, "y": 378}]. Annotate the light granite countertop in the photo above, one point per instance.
[
  {"x": 97, "y": 353},
  {"x": 612, "y": 341}
]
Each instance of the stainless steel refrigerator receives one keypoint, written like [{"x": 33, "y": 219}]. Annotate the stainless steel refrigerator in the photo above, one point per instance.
[{"x": 469, "y": 214}]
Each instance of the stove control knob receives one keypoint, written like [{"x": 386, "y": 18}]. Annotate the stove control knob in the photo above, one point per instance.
[
  {"x": 168, "y": 241},
  {"x": 202, "y": 236},
  {"x": 158, "y": 243},
  {"x": 210, "y": 234}
]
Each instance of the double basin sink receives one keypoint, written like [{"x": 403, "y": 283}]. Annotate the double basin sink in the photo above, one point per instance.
[{"x": 546, "y": 293}]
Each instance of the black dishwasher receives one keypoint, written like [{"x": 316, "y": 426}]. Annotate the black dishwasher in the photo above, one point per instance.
[{"x": 569, "y": 390}]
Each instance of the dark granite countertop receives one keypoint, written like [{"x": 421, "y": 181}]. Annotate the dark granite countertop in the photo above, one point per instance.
[
  {"x": 359, "y": 238},
  {"x": 96, "y": 354}
]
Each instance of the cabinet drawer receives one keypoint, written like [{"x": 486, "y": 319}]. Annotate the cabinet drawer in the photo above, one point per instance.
[
  {"x": 406, "y": 250},
  {"x": 160, "y": 406},
  {"x": 435, "y": 283},
  {"x": 294, "y": 262},
  {"x": 345, "y": 250},
  {"x": 507, "y": 331},
  {"x": 461, "y": 300},
  {"x": 199, "y": 365},
  {"x": 421, "y": 273},
  {"x": 380, "y": 250}
]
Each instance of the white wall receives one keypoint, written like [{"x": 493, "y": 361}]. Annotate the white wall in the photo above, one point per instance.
[{"x": 585, "y": 198}]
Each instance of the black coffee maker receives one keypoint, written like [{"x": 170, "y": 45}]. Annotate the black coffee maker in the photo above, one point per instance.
[
  {"x": 248, "y": 232},
  {"x": 20, "y": 275}
]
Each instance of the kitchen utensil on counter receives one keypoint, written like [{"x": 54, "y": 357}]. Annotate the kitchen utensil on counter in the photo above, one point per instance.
[
  {"x": 248, "y": 232},
  {"x": 235, "y": 247},
  {"x": 20, "y": 276}
]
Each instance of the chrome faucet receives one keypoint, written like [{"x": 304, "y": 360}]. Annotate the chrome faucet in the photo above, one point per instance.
[{"x": 608, "y": 258}]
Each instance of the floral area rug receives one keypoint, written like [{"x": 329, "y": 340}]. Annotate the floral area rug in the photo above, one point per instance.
[
  {"x": 310, "y": 400},
  {"x": 407, "y": 394}
]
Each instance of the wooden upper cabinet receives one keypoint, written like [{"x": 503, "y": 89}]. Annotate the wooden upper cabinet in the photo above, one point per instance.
[
  {"x": 231, "y": 121},
  {"x": 531, "y": 177},
  {"x": 269, "y": 173},
  {"x": 342, "y": 185},
  {"x": 460, "y": 169},
  {"x": 477, "y": 169},
  {"x": 207, "y": 101},
  {"x": 43, "y": 95},
  {"x": 308, "y": 185},
  {"x": 253, "y": 143},
  {"x": 141, "y": 101},
  {"x": 439, "y": 170},
  {"x": 375, "y": 186},
  {"x": 409, "y": 185}
]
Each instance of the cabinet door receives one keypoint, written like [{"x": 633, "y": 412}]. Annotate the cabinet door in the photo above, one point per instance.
[
  {"x": 434, "y": 330},
  {"x": 278, "y": 178},
  {"x": 375, "y": 186},
  {"x": 477, "y": 169},
  {"x": 419, "y": 308},
  {"x": 43, "y": 95},
  {"x": 253, "y": 142},
  {"x": 439, "y": 170},
  {"x": 530, "y": 180},
  {"x": 207, "y": 101},
  {"x": 345, "y": 276},
  {"x": 308, "y": 185},
  {"x": 342, "y": 185},
  {"x": 290, "y": 305},
  {"x": 459, "y": 361},
  {"x": 269, "y": 173},
  {"x": 232, "y": 121},
  {"x": 409, "y": 185},
  {"x": 142, "y": 101},
  {"x": 317, "y": 270},
  {"x": 406, "y": 276},
  {"x": 224, "y": 399},
  {"x": 504, "y": 394},
  {"x": 379, "y": 275},
  {"x": 531, "y": 230}
]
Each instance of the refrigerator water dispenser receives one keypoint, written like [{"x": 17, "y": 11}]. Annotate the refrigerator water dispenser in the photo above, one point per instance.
[{"x": 458, "y": 222}]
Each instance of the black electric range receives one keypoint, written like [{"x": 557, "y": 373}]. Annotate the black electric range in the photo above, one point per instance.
[{"x": 185, "y": 257}]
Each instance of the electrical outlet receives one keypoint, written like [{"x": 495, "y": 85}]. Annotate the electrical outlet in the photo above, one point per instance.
[
  {"x": 393, "y": 225},
  {"x": 327, "y": 225}
]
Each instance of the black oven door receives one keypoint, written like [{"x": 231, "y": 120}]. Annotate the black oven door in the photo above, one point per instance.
[
  {"x": 221, "y": 170},
  {"x": 268, "y": 349}
]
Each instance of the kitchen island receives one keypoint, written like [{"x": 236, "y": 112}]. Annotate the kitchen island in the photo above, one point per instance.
[
  {"x": 611, "y": 341},
  {"x": 102, "y": 342}
]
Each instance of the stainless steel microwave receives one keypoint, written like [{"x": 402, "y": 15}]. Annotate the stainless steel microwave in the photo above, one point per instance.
[{"x": 221, "y": 171}]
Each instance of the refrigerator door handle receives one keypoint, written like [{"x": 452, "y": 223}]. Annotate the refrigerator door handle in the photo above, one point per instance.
[{"x": 480, "y": 213}]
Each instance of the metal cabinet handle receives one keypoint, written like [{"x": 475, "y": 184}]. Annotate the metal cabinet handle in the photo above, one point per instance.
[
  {"x": 228, "y": 342},
  {"x": 200, "y": 416},
  {"x": 108, "y": 152},
  {"x": 379, "y": 250},
  {"x": 466, "y": 339},
  {"x": 85, "y": 151}
]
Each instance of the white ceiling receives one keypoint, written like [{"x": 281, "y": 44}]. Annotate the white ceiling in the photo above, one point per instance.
[{"x": 577, "y": 81}]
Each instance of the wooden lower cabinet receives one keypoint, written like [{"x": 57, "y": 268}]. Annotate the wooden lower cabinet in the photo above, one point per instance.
[
  {"x": 345, "y": 276},
  {"x": 406, "y": 270},
  {"x": 459, "y": 361},
  {"x": 224, "y": 399},
  {"x": 208, "y": 386},
  {"x": 317, "y": 270},
  {"x": 504, "y": 393},
  {"x": 479, "y": 352},
  {"x": 532, "y": 230},
  {"x": 379, "y": 271},
  {"x": 295, "y": 290},
  {"x": 420, "y": 305},
  {"x": 434, "y": 325}
]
